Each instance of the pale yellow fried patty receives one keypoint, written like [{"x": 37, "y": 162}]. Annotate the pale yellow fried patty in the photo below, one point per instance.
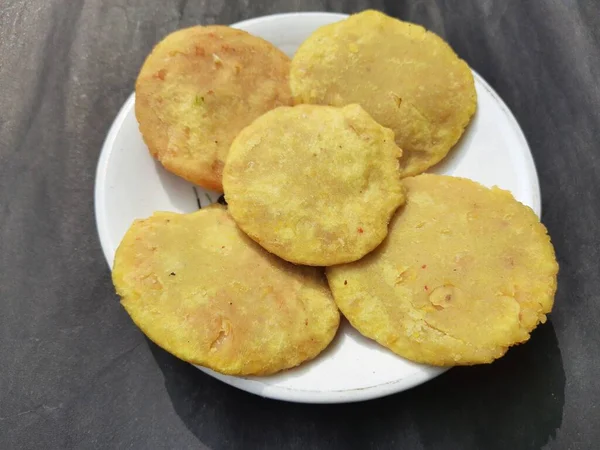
[
  {"x": 464, "y": 273},
  {"x": 406, "y": 77},
  {"x": 198, "y": 88},
  {"x": 203, "y": 291},
  {"x": 315, "y": 185}
]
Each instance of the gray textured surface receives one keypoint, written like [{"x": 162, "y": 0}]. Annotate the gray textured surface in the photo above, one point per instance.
[{"x": 75, "y": 372}]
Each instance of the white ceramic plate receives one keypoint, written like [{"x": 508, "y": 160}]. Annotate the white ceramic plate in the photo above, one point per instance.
[{"x": 130, "y": 185}]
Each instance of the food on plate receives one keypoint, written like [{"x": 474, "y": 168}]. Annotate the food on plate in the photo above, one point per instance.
[
  {"x": 202, "y": 290},
  {"x": 198, "y": 88},
  {"x": 440, "y": 270},
  {"x": 315, "y": 185},
  {"x": 406, "y": 77},
  {"x": 464, "y": 273}
]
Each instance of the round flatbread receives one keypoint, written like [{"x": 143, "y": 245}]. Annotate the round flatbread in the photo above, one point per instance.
[
  {"x": 203, "y": 291},
  {"x": 464, "y": 273},
  {"x": 315, "y": 185},
  {"x": 198, "y": 88},
  {"x": 406, "y": 77}
]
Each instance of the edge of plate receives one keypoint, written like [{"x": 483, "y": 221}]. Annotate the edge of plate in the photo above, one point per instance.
[
  {"x": 325, "y": 397},
  {"x": 100, "y": 180},
  {"x": 535, "y": 184}
]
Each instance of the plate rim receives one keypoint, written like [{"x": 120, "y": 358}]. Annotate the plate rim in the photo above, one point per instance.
[{"x": 252, "y": 386}]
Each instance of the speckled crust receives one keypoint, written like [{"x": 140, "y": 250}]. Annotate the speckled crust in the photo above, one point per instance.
[
  {"x": 198, "y": 88},
  {"x": 465, "y": 272},
  {"x": 203, "y": 291},
  {"x": 406, "y": 77},
  {"x": 315, "y": 185}
]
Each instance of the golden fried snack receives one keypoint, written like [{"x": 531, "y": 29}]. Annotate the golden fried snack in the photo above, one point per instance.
[
  {"x": 203, "y": 291},
  {"x": 315, "y": 185},
  {"x": 464, "y": 273},
  {"x": 406, "y": 77},
  {"x": 198, "y": 88}
]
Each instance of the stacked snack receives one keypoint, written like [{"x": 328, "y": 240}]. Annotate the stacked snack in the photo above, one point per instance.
[
  {"x": 315, "y": 185},
  {"x": 440, "y": 270},
  {"x": 202, "y": 290},
  {"x": 465, "y": 272},
  {"x": 198, "y": 89},
  {"x": 406, "y": 77}
]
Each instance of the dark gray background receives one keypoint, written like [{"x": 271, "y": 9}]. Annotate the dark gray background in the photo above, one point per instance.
[{"x": 76, "y": 373}]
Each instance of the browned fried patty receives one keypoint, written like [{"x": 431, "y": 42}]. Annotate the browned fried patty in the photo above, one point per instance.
[
  {"x": 464, "y": 273},
  {"x": 202, "y": 290},
  {"x": 315, "y": 185},
  {"x": 198, "y": 88},
  {"x": 406, "y": 77}
]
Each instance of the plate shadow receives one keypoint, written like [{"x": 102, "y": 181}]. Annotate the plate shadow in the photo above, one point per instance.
[{"x": 514, "y": 403}]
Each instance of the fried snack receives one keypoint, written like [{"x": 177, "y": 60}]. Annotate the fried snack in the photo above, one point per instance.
[
  {"x": 464, "y": 273},
  {"x": 203, "y": 291},
  {"x": 406, "y": 77},
  {"x": 198, "y": 88},
  {"x": 315, "y": 185}
]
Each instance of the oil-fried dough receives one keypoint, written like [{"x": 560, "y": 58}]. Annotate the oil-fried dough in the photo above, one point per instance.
[
  {"x": 202, "y": 290},
  {"x": 406, "y": 77},
  {"x": 315, "y": 185},
  {"x": 464, "y": 273},
  {"x": 198, "y": 88}
]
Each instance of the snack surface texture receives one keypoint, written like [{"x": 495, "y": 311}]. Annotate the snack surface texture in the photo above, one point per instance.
[
  {"x": 464, "y": 273},
  {"x": 198, "y": 88},
  {"x": 202, "y": 290},
  {"x": 315, "y": 185},
  {"x": 406, "y": 77}
]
